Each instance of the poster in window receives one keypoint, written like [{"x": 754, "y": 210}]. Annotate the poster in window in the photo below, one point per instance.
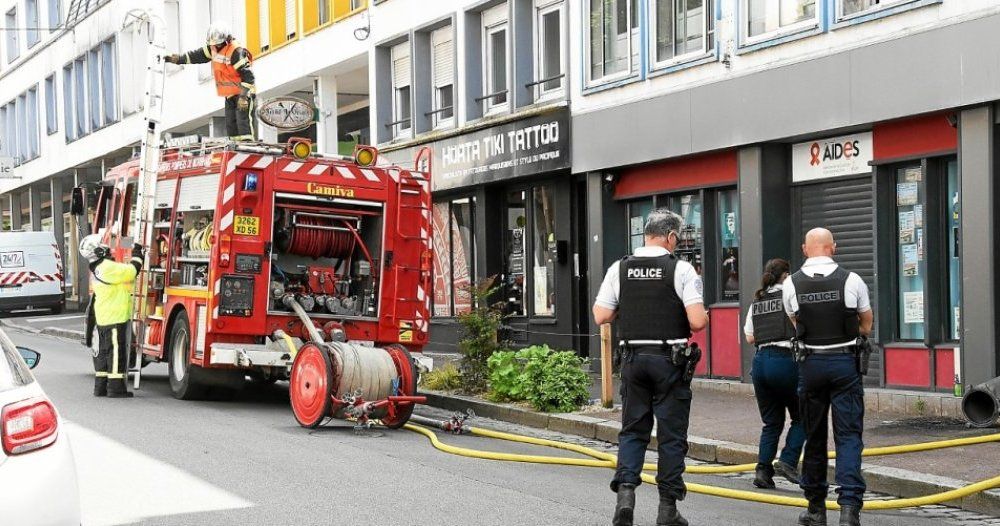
[
  {"x": 958, "y": 321},
  {"x": 918, "y": 216},
  {"x": 636, "y": 226},
  {"x": 912, "y": 174},
  {"x": 728, "y": 228},
  {"x": 461, "y": 266},
  {"x": 442, "y": 261},
  {"x": 516, "y": 266},
  {"x": 920, "y": 244},
  {"x": 910, "y": 260},
  {"x": 541, "y": 290},
  {"x": 913, "y": 307},
  {"x": 906, "y": 227},
  {"x": 906, "y": 194}
]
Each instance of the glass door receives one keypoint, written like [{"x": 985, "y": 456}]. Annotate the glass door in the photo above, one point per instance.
[{"x": 515, "y": 288}]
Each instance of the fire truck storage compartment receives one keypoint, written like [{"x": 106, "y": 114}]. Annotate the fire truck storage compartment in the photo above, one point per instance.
[
  {"x": 192, "y": 230},
  {"x": 327, "y": 255}
]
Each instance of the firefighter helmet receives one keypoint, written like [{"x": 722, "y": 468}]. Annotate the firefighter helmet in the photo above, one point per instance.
[
  {"x": 218, "y": 34},
  {"x": 93, "y": 248}
]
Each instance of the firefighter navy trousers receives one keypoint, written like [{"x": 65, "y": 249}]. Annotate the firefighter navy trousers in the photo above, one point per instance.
[{"x": 111, "y": 360}]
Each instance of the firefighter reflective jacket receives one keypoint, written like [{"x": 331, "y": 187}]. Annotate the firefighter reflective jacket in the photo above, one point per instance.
[
  {"x": 112, "y": 286},
  {"x": 230, "y": 66}
]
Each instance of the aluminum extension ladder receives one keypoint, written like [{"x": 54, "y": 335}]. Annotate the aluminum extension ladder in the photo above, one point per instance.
[{"x": 149, "y": 160}]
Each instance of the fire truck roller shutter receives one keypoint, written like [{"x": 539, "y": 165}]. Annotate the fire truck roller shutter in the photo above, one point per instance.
[
  {"x": 198, "y": 193},
  {"x": 165, "y": 194}
]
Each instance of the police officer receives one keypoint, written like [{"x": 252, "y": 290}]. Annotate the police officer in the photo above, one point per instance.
[
  {"x": 657, "y": 299},
  {"x": 833, "y": 318},
  {"x": 775, "y": 378},
  {"x": 112, "y": 307}
]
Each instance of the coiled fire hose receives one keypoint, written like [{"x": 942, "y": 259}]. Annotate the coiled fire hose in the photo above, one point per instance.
[{"x": 599, "y": 459}]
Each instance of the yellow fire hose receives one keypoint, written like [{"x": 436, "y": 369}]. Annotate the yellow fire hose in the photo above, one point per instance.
[{"x": 607, "y": 460}]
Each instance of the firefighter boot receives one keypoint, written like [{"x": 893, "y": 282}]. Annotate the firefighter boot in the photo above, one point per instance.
[
  {"x": 626, "y": 505},
  {"x": 100, "y": 387},
  {"x": 764, "y": 477},
  {"x": 117, "y": 389},
  {"x": 790, "y": 472},
  {"x": 668, "y": 515},
  {"x": 850, "y": 516},
  {"x": 815, "y": 515}
]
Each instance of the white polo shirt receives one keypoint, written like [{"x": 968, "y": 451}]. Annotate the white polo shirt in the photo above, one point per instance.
[
  {"x": 855, "y": 290},
  {"x": 687, "y": 282}
]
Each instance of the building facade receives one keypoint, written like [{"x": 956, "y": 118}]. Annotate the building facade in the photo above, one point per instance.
[{"x": 557, "y": 125}]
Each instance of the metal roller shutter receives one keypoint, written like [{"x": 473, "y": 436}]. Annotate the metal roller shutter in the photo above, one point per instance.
[
  {"x": 198, "y": 193},
  {"x": 845, "y": 208},
  {"x": 165, "y": 193}
]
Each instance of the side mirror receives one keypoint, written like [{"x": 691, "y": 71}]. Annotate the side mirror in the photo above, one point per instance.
[
  {"x": 30, "y": 356},
  {"x": 76, "y": 206}
]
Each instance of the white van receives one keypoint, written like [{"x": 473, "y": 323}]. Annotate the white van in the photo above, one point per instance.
[{"x": 31, "y": 272}]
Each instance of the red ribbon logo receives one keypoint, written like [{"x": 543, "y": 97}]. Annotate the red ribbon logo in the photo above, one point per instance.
[{"x": 814, "y": 151}]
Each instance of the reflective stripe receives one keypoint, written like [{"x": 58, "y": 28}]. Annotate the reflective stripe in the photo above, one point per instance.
[
  {"x": 101, "y": 374},
  {"x": 253, "y": 121},
  {"x": 115, "y": 376},
  {"x": 114, "y": 351},
  {"x": 242, "y": 62}
]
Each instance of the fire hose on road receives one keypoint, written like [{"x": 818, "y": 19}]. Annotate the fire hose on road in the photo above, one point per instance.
[{"x": 599, "y": 459}]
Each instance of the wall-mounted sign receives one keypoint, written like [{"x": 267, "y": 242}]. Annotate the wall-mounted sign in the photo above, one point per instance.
[
  {"x": 833, "y": 157},
  {"x": 287, "y": 114}
]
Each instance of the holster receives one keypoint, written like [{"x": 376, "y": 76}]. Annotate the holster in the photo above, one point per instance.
[
  {"x": 799, "y": 351},
  {"x": 864, "y": 354},
  {"x": 693, "y": 357}
]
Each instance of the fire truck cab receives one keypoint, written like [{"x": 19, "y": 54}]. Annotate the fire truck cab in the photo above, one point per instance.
[{"x": 256, "y": 251}]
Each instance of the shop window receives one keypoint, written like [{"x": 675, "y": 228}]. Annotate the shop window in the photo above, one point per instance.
[
  {"x": 729, "y": 241},
  {"x": 911, "y": 265},
  {"x": 454, "y": 256},
  {"x": 769, "y": 18},
  {"x": 531, "y": 255},
  {"x": 638, "y": 211},
  {"x": 954, "y": 314},
  {"x": 496, "y": 59},
  {"x": 613, "y": 34},
  {"x": 443, "y": 57},
  {"x": 689, "y": 247},
  {"x": 401, "y": 108},
  {"x": 548, "y": 48},
  {"x": 682, "y": 29},
  {"x": 850, "y": 8},
  {"x": 515, "y": 286},
  {"x": 545, "y": 253}
]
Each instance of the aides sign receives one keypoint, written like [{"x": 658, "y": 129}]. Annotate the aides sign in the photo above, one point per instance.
[
  {"x": 287, "y": 114},
  {"x": 833, "y": 157}
]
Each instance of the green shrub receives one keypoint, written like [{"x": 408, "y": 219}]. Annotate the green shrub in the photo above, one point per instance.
[
  {"x": 446, "y": 378},
  {"x": 479, "y": 335},
  {"x": 551, "y": 381}
]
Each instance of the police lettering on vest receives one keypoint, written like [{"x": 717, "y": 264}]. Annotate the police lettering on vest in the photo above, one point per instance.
[
  {"x": 649, "y": 307},
  {"x": 770, "y": 323},
  {"x": 822, "y": 311}
]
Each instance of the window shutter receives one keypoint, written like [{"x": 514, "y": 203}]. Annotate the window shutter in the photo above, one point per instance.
[
  {"x": 291, "y": 22},
  {"x": 263, "y": 21},
  {"x": 444, "y": 61},
  {"x": 401, "y": 65}
]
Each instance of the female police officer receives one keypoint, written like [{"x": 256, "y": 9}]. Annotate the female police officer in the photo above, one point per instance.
[
  {"x": 775, "y": 378},
  {"x": 656, "y": 298}
]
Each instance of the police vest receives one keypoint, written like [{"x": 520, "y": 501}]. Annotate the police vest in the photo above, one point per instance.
[
  {"x": 770, "y": 323},
  {"x": 648, "y": 305},
  {"x": 227, "y": 77},
  {"x": 823, "y": 314}
]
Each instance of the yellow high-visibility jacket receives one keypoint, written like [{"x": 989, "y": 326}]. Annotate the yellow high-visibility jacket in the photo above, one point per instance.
[{"x": 112, "y": 286}]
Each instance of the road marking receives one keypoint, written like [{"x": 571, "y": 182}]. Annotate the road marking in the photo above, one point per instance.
[
  {"x": 138, "y": 485},
  {"x": 56, "y": 318}
]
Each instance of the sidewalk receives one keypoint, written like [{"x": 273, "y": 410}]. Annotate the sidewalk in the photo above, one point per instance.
[{"x": 725, "y": 427}]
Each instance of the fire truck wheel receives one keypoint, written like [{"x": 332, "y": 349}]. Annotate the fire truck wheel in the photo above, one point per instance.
[
  {"x": 407, "y": 370},
  {"x": 183, "y": 375}
]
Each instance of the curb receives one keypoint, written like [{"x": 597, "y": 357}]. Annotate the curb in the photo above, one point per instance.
[
  {"x": 881, "y": 479},
  {"x": 11, "y": 325},
  {"x": 58, "y": 332}
]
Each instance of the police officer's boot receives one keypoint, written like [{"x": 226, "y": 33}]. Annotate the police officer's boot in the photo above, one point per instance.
[
  {"x": 626, "y": 505},
  {"x": 100, "y": 387},
  {"x": 668, "y": 515},
  {"x": 815, "y": 515},
  {"x": 850, "y": 516}
]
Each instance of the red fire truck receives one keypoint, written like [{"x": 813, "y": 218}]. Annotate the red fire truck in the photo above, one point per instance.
[{"x": 265, "y": 254}]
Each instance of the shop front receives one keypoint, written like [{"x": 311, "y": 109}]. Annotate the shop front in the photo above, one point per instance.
[
  {"x": 703, "y": 190},
  {"x": 506, "y": 209}
]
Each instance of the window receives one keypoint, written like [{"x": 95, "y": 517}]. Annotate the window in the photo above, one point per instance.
[
  {"x": 68, "y": 99},
  {"x": 769, "y": 17},
  {"x": 954, "y": 314},
  {"x": 729, "y": 241},
  {"x": 638, "y": 211},
  {"x": 109, "y": 81},
  {"x": 22, "y": 131},
  {"x": 614, "y": 46},
  {"x": 443, "y": 57},
  {"x": 90, "y": 84},
  {"x": 51, "y": 116},
  {"x": 80, "y": 98},
  {"x": 454, "y": 256},
  {"x": 55, "y": 14},
  {"x": 683, "y": 28},
  {"x": 273, "y": 23},
  {"x": 544, "y": 249},
  {"x": 9, "y": 144},
  {"x": 4, "y": 134},
  {"x": 516, "y": 249},
  {"x": 31, "y": 124},
  {"x": 31, "y": 23},
  {"x": 689, "y": 246},
  {"x": 12, "y": 45},
  {"x": 548, "y": 49},
  {"x": 94, "y": 89},
  {"x": 495, "y": 60},
  {"x": 853, "y": 7},
  {"x": 530, "y": 240},
  {"x": 401, "y": 105},
  {"x": 911, "y": 263}
]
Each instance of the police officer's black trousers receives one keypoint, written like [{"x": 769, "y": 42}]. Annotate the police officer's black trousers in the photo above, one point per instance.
[
  {"x": 827, "y": 381},
  {"x": 240, "y": 123},
  {"x": 652, "y": 387},
  {"x": 111, "y": 361}
]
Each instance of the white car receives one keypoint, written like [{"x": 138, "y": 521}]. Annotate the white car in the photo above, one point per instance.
[{"x": 37, "y": 470}]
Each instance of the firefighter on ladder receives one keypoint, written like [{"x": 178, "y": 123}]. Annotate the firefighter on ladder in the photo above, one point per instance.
[
  {"x": 111, "y": 304},
  {"x": 233, "y": 78}
]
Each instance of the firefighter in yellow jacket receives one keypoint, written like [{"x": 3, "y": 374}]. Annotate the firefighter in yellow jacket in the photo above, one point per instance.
[
  {"x": 234, "y": 79},
  {"x": 111, "y": 303}
]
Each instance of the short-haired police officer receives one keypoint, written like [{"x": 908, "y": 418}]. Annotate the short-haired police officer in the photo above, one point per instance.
[
  {"x": 657, "y": 300},
  {"x": 831, "y": 310}
]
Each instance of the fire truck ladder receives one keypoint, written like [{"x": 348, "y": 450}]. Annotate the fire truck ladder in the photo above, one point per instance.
[
  {"x": 149, "y": 159},
  {"x": 411, "y": 187}
]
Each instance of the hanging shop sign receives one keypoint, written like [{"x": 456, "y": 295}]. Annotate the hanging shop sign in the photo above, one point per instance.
[
  {"x": 287, "y": 114},
  {"x": 833, "y": 157}
]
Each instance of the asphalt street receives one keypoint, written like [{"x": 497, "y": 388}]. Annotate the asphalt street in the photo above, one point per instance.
[{"x": 157, "y": 460}]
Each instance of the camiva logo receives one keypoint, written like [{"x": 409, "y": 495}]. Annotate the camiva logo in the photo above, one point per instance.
[
  {"x": 329, "y": 191},
  {"x": 833, "y": 151}
]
